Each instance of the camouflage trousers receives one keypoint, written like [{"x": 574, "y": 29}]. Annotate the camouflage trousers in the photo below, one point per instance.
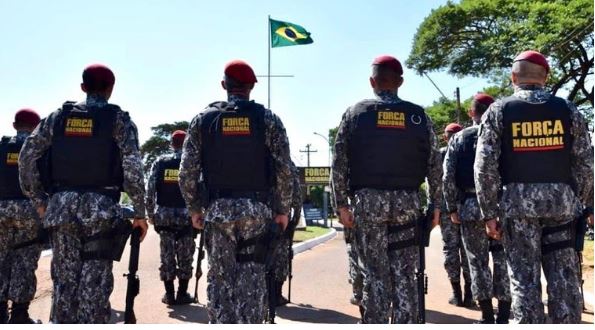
[
  {"x": 236, "y": 291},
  {"x": 17, "y": 266},
  {"x": 522, "y": 239},
  {"x": 484, "y": 285},
  {"x": 388, "y": 276},
  {"x": 455, "y": 258},
  {"x": 81, "y": 287},
  {"x": 355, "y": 274},
  {"x": 281, "y": 265},
  {"x": 177, "y": 254}
]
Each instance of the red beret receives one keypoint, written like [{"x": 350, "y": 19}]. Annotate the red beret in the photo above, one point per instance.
[
  {"x": 177, "y": 138},
  {"x": 452, "y": 128},
  {"x": 98, "y": 76},
  {"x": 389, "y": 61},
  {"x": 27, "y": 116},
  {"x": 240, "y": 71},
  {"x": 483, "y": 98},
  {"x": 533, "y": 57}
]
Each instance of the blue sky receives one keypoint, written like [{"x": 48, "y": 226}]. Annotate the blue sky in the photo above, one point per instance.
[{"x": 168, "y": 57}]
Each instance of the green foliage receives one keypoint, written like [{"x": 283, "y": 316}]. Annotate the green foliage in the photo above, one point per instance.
[
  {"x": 316, "y": 193},
  {"x": 482, "y": 37},
  {"x": 332, "y": 135},
  {"x": 159, "y": 143}
]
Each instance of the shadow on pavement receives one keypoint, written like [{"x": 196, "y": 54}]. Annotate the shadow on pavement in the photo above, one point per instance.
[
  {"x": 189, "y": 313},
  {"x": 443, "y": 318},
  {"x": 311, "y": 314}
]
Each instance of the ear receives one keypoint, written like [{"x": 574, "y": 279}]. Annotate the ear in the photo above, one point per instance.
[
  {"x": 471, "y": 113},
  {"x": 400, "y": 82},
  {"x": 14, "y": 125},
  {"x": 513, "y": 78},
  {"x": 223, "y": 84},
  {"x": 372, "y": 82},
  {"x": 83, "y": 88}
]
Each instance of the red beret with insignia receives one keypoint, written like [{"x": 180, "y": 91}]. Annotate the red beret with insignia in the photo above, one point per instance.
[
  {"x": 389, "y": 61},
  {"x": 27, "y": 116},
  {"x": 177, "y": 138},
  {"x": 452, "y": 128},
  {"x": 240, "y": 71},
  {"x": 98, "y": 77},
  {"x": 483, "y": 98},
  {"x": 533, "y": 57}
]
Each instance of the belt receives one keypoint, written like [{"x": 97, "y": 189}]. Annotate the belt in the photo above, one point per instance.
[{"x": 261, "y": 196}]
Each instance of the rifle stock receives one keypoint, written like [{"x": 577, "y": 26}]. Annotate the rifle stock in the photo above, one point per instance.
[
  {"x": 201, "y": 256},
  {"x": 133, "y": 286},
  {"x": 424, "y": 227}
]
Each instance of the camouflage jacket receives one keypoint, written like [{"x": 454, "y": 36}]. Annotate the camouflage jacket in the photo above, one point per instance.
[
  {"x": 161, "y": 215},
  {"x": 126, "y": 136},
  {"x": 387, "y": 200},
  {"x": 296, "y": 195},
  {"x": 543, "y": 200},
  {"x": 225, "y": 209},
  {"x": 452, "y": 194}
]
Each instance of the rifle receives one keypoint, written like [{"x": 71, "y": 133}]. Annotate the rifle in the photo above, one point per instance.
[
  {"x": 201, "y": 256},
  {"x": 271, "y": 239},
  {"x": 424, "y": 226},
  {"x": 290, "y": 232},
  {"x": 133, "y": 287}
]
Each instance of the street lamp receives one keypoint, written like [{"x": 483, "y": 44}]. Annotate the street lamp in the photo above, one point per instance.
[{"x": 329, "y": 146}]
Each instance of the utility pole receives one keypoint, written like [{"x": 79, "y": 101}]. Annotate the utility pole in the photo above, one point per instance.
[
  {"x": 308, "y": 151},
  {"x": 458, "y": 96}
]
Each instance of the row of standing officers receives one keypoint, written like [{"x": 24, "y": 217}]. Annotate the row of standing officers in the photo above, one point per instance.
[{"x": 532, "y": 170}]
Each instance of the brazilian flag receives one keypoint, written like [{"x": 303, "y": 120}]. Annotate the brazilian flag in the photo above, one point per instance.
[{"x": 288, "y": 34}]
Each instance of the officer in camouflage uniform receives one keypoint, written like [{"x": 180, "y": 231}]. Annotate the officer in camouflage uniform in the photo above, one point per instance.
[
  {"x": 167, "y": 212},
  {"x": 241, "y": 151},
  {"x": 535, "y": 147},
  {"x": 455, "y": 258},
  {"x": 461, "y": 201},
  {"x": 282, "y": 258},
  {"x": 93, "y": 151},
  {"x": 20, "y": 246},
  {"x": 384, "y": 149}
]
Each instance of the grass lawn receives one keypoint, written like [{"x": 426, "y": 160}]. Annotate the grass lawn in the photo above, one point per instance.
[{"x": 308, "y": 233}]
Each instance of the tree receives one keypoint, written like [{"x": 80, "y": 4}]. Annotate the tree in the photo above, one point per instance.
[
  {"x": 482, "y": 37},
  {"x": 159, "y": 143}
]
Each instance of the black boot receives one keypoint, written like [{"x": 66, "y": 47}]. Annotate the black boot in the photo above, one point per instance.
[
  {"x": 168, "y": 297},
  {"x": 487, "y": 312},
  {"x": 19, "y": 314},
  {"x": 183, "y": 297},
  {"x": 3, "y": 312},
  {"x": 468, "y": 298},
  {"x": 457, "y": 295},
  {"x": 503, "y": 312},
  {"x": 281, "y": 301}
]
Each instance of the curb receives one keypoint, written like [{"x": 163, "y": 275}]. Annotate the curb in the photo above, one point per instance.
[{"x": 307, "y": 245}]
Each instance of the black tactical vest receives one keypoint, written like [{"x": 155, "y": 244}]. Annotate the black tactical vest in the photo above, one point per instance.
[
  {"x": 465, "y": 158},
  {"x": 536, "y": 141},
  {"x": 9, "y": 169},
  {"x": 168, "y": 190},
  {"x": 236, "y": 159},
  {"x": 84, "y": 155},
  {"x": 389, "y": 146}
]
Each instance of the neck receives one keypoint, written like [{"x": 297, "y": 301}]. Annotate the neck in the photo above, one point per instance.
[{"x": 237, "y": 97}]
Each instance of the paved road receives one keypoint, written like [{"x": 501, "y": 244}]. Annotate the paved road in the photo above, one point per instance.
[{"x": 320, "y": 292}]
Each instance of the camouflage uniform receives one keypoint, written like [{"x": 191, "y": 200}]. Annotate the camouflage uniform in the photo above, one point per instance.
[
  {"x": 236, "y": 291},
  {"x": 81, "y": 287},
  {"x": 455, "y": 257},
  {"x": 19, "y": 224},
  {"x": 388, "y": 277},
  {"x": 356, "y": 277},
  {"x": 525, "y": 209},
  {"x": 177, "y": 251},
  {"x": 477, "y": 243}
]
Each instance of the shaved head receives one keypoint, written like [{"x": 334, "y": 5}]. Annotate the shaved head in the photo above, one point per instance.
[
  {"x": 525, "y": 72},
  {"x": 385, "y": 78}
]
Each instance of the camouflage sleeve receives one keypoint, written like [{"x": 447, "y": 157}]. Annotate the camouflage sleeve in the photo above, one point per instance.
[
  {"x": 278, "y": 144},
  {"x": 340, "y": 167},
  {"x": 296, "y": 202},
  {"x": 581, "y": 158},
  {"x": 434, "y": 176},
  {"x": 152, "y": 190},
  {"x": 191, "y": 167},
  {"x": 449, "y": 167},
  {"x": 126, "y": 136},
  {"x": 33, "y": 149},
  {"x": 487, "y": 155}
]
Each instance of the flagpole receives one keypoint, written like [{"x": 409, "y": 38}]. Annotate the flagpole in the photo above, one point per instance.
[{"x": 269, "y": 50}]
